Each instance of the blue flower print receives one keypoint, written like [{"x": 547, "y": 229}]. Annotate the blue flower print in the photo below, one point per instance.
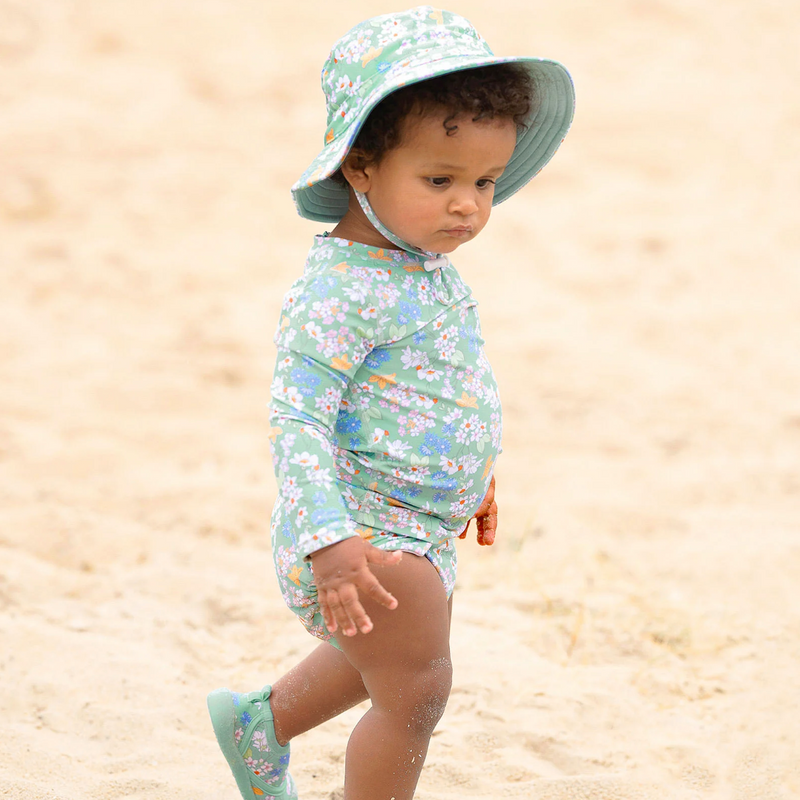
[
  {"x": 347, "y": 423},
  {"x": 246, "y": 718},
  {"x": 408, "y": 311},
  {"x": 288, "y": 532},
  {"x": 306, "y": 381},
  {"x": 419, "y": 337},
  {"x": 441, "y": 480},
  {"x": 319, "y": 498},
  {"x": 444, "y": 483},
  {"x": 434, "y": 444},
  {"x": 323, "y": 285},
  {"x": 324, "y": 516},
  {"x": 377, "y": 357},
  {"x": 471, "y": 335}
]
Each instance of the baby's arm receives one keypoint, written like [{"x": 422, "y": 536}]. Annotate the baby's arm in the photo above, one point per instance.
[
  {"x": 321, "y": 344},
  {"x": 485, "y": 518}
]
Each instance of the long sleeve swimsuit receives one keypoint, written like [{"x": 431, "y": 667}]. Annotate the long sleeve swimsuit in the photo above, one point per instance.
[{"x": 385, "y": 418}]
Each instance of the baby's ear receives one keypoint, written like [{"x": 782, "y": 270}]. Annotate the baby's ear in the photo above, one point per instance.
[{"x": 356, "y": 170}]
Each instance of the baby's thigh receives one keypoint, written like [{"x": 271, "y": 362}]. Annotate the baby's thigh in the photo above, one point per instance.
[{"x": 407, "y": 653}]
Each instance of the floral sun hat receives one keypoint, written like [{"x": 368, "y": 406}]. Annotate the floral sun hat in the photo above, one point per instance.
[{"x": 387, "y": 52}]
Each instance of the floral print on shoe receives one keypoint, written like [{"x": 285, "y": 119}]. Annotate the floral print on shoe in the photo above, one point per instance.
[{"x": 246, "y": 735}]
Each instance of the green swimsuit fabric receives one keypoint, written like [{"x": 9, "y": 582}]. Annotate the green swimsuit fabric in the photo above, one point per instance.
[{"x": 385, "y": 417}]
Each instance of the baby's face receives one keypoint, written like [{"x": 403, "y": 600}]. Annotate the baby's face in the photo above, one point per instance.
[{"x": 435, "y": 191}]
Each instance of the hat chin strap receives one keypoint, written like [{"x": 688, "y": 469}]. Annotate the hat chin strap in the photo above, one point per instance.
[{"x": 432, "y": 260}]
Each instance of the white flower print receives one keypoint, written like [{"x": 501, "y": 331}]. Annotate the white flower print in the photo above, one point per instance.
[
  {"x": 355, "y": 86},
  {"x": 325, "y": 405},
  {"x": 278, "y": 387},
  {"x": 470, "y": 463},
  {"x": 357, "y": 291},
  {"x": 348, "y": 466},
  {"x": 430, "y": 374},
  {"x": 320, "y": 477},
  {"x": 287, "y": 442},
  {"x": 468, "y": 429},
  {"x": 378, "y": 434},
  {"x": 291, "y": 489},
  {"x": 312, "y": 330},
  {"x": 447, "y": 341},
  {"x": 397, "y": 448},
  {"x": 343, "y": 83},
  {"x": 305, "y": 460},
  {"x": 414, "y": 359},
  {"x": 449, "y": 465},
  {"x": 424, "y": 400},
  {"x": 293, "y": 397},
  {"x": 453, "y": 415}
]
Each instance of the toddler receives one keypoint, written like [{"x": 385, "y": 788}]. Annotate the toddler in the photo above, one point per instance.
[{"x": 385, "y": 417}]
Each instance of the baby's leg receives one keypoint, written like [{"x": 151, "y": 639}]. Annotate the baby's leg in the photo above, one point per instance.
[
  {"x": 319, "y": 688},
  {"x": 405, "y": 666}
]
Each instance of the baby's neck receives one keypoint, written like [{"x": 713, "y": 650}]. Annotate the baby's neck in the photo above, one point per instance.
[{"x": 357, "y": 228}]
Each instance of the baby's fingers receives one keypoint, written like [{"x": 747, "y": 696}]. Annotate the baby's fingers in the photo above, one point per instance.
[
  {"x": 323, "y": 598},
  {"x": 381, "y": 558},
  {"x": 487, "y": 526},
  {"x": 352, "y": 617},
  {"x": 336, "y": 610}
]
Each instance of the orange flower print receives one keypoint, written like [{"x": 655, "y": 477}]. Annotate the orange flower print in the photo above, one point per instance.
[
  {"x": 466, "y": 401},
  {"x": 383, "y": 380},
  {"x": 341, "y": 363}
]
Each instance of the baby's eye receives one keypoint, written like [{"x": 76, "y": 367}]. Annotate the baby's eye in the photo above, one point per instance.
[
  {"x": 438, "y": 181},
  {"x": 483, "y": 183}
]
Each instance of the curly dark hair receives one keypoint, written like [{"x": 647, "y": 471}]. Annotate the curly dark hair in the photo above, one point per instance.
[{"x": 504, "y": 91}]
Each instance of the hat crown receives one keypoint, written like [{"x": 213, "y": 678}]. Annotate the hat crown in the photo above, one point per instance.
[{"x": 381, "y": 49}]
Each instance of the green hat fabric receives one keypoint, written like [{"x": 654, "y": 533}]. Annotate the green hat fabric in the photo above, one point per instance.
[{"x": 387, "y": 52}]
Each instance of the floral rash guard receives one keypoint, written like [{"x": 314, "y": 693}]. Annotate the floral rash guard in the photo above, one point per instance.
[{"x": 385, "y": 417}]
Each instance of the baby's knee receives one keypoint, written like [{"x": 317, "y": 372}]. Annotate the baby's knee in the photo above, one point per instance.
[{"x": 428, "y": 695}]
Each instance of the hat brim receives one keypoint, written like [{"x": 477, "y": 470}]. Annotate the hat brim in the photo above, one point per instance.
[{"x": 319, "y": 198}]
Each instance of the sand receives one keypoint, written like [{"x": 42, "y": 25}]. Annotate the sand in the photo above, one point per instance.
[{"x": 635, "y": 632}]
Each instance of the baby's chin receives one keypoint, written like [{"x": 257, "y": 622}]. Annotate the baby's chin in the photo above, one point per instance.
[{"x": 443, "y": 242}]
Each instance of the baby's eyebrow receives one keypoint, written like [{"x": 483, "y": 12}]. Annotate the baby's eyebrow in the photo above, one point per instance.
[{"x": 442, "y": 167}]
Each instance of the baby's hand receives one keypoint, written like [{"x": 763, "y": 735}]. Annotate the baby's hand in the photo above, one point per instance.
[
  {"x": 340, "y": 570},
  {"x": 485, "y": 518}
]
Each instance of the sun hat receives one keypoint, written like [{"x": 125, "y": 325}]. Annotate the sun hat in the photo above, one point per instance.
[{"x": 387, "y": 52}]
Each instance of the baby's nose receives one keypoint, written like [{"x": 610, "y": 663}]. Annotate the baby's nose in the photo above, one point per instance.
[{"x": 464, "y": 203}]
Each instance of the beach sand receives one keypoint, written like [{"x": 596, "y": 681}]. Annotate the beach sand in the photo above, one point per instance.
[{"x": 635, "y": 631}]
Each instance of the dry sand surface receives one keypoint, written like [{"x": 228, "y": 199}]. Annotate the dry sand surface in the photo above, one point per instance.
[{"x": 635, "y": 632}]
